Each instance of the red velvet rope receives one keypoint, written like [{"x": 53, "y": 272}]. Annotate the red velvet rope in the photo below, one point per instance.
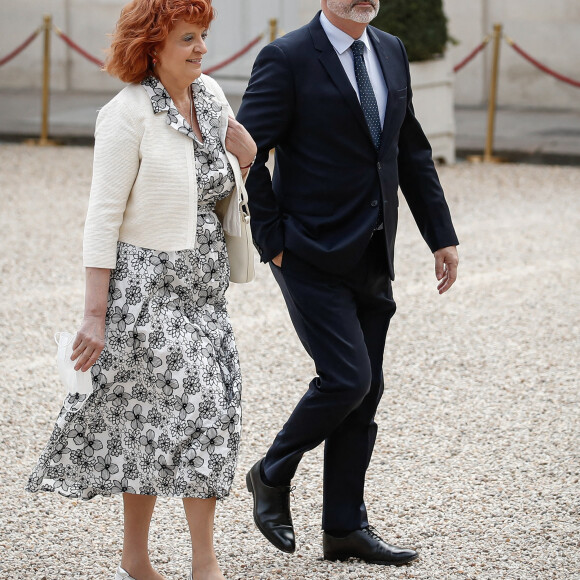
[
  {"x": 471, "y": 55},
  {"x": 100, "y": 63},
  {"x": 541, "y": 66},
  {"x": 76, "y": 47},
  {"x": 234, "y": 56},
  {"x": 20, "y": 48}
]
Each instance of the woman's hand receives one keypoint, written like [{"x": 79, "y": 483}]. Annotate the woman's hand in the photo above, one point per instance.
[
  {"x": 90, "y": 339},
  {"x": 89, "y": 342},
  {"x": 240, "y": 143}
]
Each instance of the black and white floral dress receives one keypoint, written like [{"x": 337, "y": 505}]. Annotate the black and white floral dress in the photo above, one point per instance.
[{"x": 164, "y": 417}]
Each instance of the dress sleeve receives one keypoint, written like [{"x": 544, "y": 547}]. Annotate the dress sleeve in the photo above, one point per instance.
[
  {"x": 115, "y": 168},
  {"x": 219, "y": 93}
]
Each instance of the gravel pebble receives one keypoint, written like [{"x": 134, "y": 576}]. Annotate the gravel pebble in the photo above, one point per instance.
[{"x": 477, "y": 461}]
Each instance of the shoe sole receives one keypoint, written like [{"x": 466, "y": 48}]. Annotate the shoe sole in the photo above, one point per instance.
[
  {"x": 250, "y": 487},
  {"x": 343, "y": 558}
]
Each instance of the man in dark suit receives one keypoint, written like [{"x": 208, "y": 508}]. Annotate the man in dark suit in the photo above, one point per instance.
[{"x": 334, "y": 100}]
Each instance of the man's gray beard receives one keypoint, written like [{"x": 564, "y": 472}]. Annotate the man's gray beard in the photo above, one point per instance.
[{"x": 351, "y": 13}]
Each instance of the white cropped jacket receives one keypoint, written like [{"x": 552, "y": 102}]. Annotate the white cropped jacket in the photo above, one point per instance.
[{"x": 144, "y": 187}]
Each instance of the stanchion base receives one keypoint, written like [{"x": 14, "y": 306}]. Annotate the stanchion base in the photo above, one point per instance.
[
  {"x": 42, "y": 142},
  {"x": 484, "y": 159}
]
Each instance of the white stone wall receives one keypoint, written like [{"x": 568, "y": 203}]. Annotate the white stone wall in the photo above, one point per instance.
[
  {"x": 548, "y": 29},
  {"x": 237, "y": 23},
  {"x": 88, "y": 22}
]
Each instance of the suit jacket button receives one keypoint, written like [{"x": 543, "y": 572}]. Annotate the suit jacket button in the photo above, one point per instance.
[{"x": 374, "y": 203}]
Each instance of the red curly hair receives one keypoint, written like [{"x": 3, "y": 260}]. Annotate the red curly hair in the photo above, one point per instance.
[{"x": 145, "y": 25}]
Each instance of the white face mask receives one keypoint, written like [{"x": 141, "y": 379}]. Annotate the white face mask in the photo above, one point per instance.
[{"x": 353, "y": 10}]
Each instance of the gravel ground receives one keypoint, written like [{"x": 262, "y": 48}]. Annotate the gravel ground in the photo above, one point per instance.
[{"x": 477, "y": 462}]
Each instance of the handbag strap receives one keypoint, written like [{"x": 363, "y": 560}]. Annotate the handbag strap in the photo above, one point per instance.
[{"x": 244, "y": 207}]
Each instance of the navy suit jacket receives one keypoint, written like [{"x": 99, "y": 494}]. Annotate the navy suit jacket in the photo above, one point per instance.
[{"x": 322, "y": 201}]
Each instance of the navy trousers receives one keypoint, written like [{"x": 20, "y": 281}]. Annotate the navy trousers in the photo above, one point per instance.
[{"x": 342, "y": 321}]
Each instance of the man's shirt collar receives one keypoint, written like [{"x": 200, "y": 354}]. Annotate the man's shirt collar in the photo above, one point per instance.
[{"x": 340, "y": 39}]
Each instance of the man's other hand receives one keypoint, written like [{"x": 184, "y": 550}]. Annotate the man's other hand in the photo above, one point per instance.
[
  {"x": 277, "y": 261},
  {"x": 446, "y": 262}
]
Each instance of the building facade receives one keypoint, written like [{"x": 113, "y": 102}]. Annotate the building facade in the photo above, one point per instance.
[{"x": 547, "y": 29}]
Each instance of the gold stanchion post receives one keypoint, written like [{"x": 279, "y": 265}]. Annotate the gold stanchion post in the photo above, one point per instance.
[
  {"x": 44, "y": 140},
  {"x": 488, "y": 154},
  {"x": 273, "y": 29},
  {"x": 46, "y": 81}
]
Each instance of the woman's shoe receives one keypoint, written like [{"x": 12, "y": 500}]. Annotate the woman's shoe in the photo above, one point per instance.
[{"x": 123, "y": 574}]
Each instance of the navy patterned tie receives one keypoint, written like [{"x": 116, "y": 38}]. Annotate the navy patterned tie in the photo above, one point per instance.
[{"x": 367, "y": 96}]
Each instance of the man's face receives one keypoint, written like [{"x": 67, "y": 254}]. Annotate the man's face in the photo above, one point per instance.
[{"x": 362, "y": 11}]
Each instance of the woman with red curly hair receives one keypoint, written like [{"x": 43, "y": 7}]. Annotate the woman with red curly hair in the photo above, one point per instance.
[{"x": 164, "y": 414}]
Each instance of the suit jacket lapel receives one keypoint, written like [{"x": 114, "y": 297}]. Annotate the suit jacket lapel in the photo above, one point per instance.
[
  {"x": 329, "y": 59},
  {"x": 385, "y": 61}
]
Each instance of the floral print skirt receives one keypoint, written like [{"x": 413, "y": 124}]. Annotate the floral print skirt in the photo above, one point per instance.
[{"x": 164, "y": 417}]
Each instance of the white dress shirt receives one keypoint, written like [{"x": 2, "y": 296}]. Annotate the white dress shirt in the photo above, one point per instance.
[{"x": 342, "y": 42}]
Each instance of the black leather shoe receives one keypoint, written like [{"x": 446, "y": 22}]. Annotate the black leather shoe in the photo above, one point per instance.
[
  {"x": 367, "y": 545},
  {"x": 272, "y": 510}
]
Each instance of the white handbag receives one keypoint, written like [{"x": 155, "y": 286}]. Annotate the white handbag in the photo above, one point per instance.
[
  {"x": 74, "y": 381},
  {"x": 241, "y": 249}
]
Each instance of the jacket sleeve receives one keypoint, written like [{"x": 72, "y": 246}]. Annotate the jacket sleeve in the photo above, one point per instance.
[
  {"x": 115, "y": 168},
  {"x": 266, "y": 112},
  {"x": 419, "y": 180}
]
